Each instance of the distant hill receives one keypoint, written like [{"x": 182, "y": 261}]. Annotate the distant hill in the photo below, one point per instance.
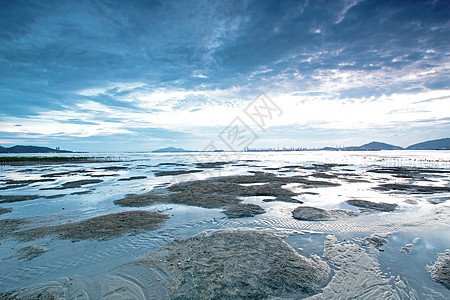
[
  {"x": 31, "y": 149},
  {"x": 441, "y": 144},
  {"x": 170, "y": 149},
  {"x": 373, "y": 146}
]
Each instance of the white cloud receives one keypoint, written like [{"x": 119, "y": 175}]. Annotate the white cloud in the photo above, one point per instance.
[
  {"x": 402, "y": 109},
  {"x": 117, "y": 86}
]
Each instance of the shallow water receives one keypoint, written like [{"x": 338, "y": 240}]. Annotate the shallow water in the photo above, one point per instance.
[{"x": 416, "y": 216}]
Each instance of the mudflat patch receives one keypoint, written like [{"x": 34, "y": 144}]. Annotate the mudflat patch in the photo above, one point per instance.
[
  {"x": 99, "y": 228},
  {"x": 5, "y": 210},
  {"x": 29, "y": 252},
  {"x": 175, "y": 172},
  {"x": 308, "y": 213},
  {"x": 132, "y": 178},
  {"x": 412, "y": 188},
  {"x": 243, "y": 210},
  {"x": 74, "y": 184},
  {"x": 440, "y": 270},
  {"x": 9, "y": 226},
  {"x": 235, "y": 265},
  {"x": 17, "y": 198},
  {"x": 220, "y": 192},
  {"x": 381, "y": 206}
]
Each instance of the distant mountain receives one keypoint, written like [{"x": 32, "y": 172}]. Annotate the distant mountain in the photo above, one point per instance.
[
  {"x": 170, "y": 149},
  {"x": 441, "y": 144},
  {"x": 373, "y": 146},
  {"x": 31, "y": 149}
]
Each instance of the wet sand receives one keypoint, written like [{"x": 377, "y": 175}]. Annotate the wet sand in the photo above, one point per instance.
[{"x": 239, "y": 263}]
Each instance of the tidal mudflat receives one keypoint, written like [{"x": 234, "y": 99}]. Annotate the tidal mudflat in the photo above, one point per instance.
[{"x": 317, "y": 225}]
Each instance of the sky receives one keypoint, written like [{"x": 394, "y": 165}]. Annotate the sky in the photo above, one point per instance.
[{"x": 141, "y": 75}]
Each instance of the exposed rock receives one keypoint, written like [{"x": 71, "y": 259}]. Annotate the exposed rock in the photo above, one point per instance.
[
  {"x": 236, "y": 265},
  {"x": 308, "y": 213}
]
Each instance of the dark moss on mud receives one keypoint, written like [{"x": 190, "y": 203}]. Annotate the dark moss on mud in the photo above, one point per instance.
[
  {"x": 17, "y": 198},
  {"x": 12, "y": 186},
  {"x": 410, "y": 172},
  {"x": 82, "y": 192},
  {"x": 55, "y": 196},
  {"x": 381, "y": 206},
  {"x": 440, "y": 270},
  {"x": 5, "y": 210},
  {"x": 243, "y": 210},
  {"x": 236, "y": 265},
  {"x": 132, "y": 178},
  {"x": 214, "y": 193},
  {"x": 66, "y": 173},
  {"x": 213, "y": 165},
  {"x": 29, "y": 252},
  {"x": 74, "y": 184},
  {"x": 171, "y": 164},
  {"x": 175, "y": 172},
  {"x": 9, "y": 226},
  {"x": 112, "y": 168},
  {"x": 49, "y": 160},
  {"x": 324, "y": 175},
  {"x": 133, "y": 200},
  {"x": 308, "y": 213},
  {"x": 259, "y": 177},
  {"x": 102, "y": 175},
  {"x": 26, "y": 181},
  {"x": 99, "y": 228},
  {"x": 412, "y": 188},
  {"x": 11, "y": 183}
]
